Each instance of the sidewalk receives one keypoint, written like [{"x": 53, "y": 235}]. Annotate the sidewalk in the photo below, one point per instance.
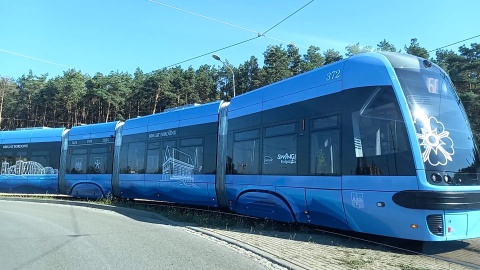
[{"x": 303, "y": 251}]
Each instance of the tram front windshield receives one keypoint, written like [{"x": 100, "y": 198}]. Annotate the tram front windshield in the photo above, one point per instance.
[{"x": 443, "y": 131}]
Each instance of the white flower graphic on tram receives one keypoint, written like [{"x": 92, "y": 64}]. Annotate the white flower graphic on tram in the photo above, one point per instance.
[{"x": 437, "y": 146}]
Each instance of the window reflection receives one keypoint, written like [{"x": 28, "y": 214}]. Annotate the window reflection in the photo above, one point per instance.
[
  {"x": 136, "y": 158},
  {"x": 325, "y": 153},
  {"x": 380, "y": 135},
  {"x": 246, "y": 151}
]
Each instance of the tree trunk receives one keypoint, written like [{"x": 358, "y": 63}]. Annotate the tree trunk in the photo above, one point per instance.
[
  {"x": 3, "y": 85},
  {"x": 99, "y": 112},
  {"x": 157, "y": 99},
  {"x": 108, "y": 113},
  {"x": 45, "y": 115}
]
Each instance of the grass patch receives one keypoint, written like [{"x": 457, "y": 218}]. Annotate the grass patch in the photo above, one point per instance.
[
  {"x": 409, "y": 267},
  {"x": 206, "y": 217},
  {"x": 203, "y": 217},
  {"x": 355, "y": 263},
  {"x": 45, "y": 196}
]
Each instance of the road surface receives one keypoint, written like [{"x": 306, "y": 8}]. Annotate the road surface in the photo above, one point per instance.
[{"x": 50, "y": 236}]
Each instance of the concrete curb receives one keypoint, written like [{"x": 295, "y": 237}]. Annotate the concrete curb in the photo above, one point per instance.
[
  {"x": 255, "y": 250},
  {"x": 157, "y": 217}
]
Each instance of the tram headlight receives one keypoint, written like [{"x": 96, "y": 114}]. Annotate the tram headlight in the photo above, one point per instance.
[
  {"x": 447, "y": 178},
  {"x": 436, "y": 178}
]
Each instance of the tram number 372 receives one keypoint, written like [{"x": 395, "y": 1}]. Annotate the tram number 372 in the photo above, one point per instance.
[{"x": 332, "y": 75}]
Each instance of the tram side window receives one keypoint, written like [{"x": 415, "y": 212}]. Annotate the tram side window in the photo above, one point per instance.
[
  {"x": 10, "y": 162},
  {"x": 12, "y": 157},
  {"x": 136, "y": 158},
  {"x": 7, "y": 162},
  {"x": 99, "y": 162},
  {"x": 380, "y": 137},
  {"x": 78, "y": 161},
  {"x": 246, "y": 152},
  {"x": 48, "y": 159},
  {"x": 22, "y": 155},
  {"x": 47, "y": 155},
  {"x": 191, "y": 153},
  {"x": 153, "y": 158},
  {"x": 41, "y": 157},
  {"x": 325, "y": 147},
  {"x": 280, "y": 150}
]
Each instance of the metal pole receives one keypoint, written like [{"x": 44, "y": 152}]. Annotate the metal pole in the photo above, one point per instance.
[{"x": 216, "y": 57}]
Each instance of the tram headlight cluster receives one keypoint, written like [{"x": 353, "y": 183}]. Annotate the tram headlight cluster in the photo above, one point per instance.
[{"x": 437, "y": 178}]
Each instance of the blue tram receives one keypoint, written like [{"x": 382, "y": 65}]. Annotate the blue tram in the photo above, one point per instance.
[
  {"x": 376, "y": 143},
  {"x": 88, "y": 160},
  {"x": 30, "y": 160}
]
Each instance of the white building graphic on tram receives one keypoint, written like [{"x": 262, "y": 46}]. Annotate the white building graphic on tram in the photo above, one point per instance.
[{"x": 26, "y": 168}]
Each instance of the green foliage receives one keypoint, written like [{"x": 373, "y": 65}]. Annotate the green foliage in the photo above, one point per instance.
[
  {"x": 332, "y": 56},
  {"x": 27, "y": 105},
  {"x": 294, "y": 60},
  {"x": 356, "y": 49},
  {"x": 7, "y": 90},
  {"x": 385, "y": 46},
  {"x": 157, "y": 86},
  {"x": 415, "y": 49},
  {"x": 276, "y": 65},
  {"x": 249, "y": 76},
  {"x": 312, "y": 59},
  {"x": 205, "y": 84},
  {"x": 471, "y": 67},
  {"x": 72, "y": 91}
]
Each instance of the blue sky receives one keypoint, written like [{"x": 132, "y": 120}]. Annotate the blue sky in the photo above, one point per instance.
[{"x": 109, "y": 35}]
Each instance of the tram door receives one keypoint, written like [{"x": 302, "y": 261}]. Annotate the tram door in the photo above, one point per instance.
[{"x": 323, "y": 194}]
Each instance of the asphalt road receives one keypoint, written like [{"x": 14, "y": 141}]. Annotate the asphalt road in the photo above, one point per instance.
[{"x": 49, "y": 236}]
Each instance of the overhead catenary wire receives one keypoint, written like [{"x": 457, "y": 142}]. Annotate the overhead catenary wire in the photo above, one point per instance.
[
  {"x": 234, "y": 25},
  {"x": 203, "y": 16},
  {"x": 217, "y": 50},
  {"x": 454, "y": 43},
  {"x": 33, "y": 58},
  {"x": 288, "y": 17},
  {"x": 241, "y": 42}
]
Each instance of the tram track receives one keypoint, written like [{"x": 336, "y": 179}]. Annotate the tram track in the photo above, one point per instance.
[{"x": 465, "y": 253}]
